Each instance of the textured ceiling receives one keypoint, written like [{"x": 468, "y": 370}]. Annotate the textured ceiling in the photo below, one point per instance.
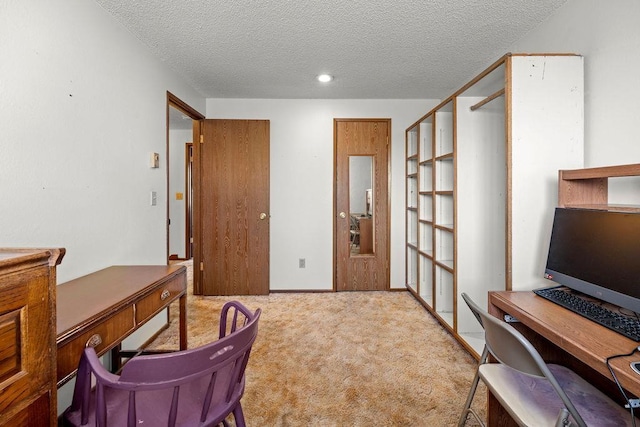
[{"x": 375, "y": 49}]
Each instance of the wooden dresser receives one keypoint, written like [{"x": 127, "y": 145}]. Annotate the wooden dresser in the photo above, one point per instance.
[{"x": 28, "y": 336}]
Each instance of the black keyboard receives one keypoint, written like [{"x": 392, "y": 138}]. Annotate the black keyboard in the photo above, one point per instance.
[{"x": 627, "y": 326}]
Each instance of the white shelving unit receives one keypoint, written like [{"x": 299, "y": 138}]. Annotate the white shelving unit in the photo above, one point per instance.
[
  {"x": 412, "y": 209},
  {"x": 485, "y": 163}
]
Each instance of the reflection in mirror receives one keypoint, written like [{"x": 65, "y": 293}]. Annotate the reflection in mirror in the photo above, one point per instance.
[{"x": 361, "y": 205}]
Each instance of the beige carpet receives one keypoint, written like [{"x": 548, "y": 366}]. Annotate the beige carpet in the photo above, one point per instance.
[{"x": 343, "y": 359}]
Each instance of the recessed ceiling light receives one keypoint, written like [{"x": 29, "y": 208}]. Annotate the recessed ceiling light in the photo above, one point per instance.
[{"x": 325, "y": 78}]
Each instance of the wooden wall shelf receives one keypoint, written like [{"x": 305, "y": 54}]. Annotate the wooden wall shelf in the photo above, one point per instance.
[{"x": 589, "y": 188}]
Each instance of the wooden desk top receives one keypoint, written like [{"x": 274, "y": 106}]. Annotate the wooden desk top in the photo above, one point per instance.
[
  {"x": 585, "y": 340},
  {"x": 84, "y": 300}
]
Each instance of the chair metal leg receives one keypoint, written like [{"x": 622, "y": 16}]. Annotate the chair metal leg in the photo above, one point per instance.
[
  {"x": 474, "y": 385},
  {"x": 563, "y": 419}
]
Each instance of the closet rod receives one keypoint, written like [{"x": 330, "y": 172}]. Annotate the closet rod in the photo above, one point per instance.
[{"x": 487, "y": 99}]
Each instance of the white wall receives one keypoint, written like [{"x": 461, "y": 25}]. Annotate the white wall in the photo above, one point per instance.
[
  {"x": 607, "y": 34},
  {"x": 302, "y": 180},
  {"x": 83, "y": 104}
]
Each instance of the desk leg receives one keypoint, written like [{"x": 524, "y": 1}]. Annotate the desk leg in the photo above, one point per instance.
[
  {"x": 116, "y": 358},
  {"x": 183, "y": 322}
]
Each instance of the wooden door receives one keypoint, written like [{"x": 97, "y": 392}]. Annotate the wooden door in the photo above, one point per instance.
[
  {"x": 231, "y": 190},
  {"x": 361, "y": 216}
]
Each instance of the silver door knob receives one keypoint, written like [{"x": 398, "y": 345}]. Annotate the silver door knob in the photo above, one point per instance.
[
  {"x": 263, "y": 215},
  {"x": 343, "y": 215}
]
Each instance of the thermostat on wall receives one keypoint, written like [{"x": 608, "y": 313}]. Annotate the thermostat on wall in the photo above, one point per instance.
[{"x": 154, "y": 161}]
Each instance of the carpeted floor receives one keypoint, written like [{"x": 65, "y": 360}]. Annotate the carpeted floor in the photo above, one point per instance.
[{"x": 343, "y": 359}]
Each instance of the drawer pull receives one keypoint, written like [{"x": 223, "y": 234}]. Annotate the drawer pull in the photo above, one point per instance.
[
  {"x": 165, "y": 294},
  {"x": 94, "y": 341}
]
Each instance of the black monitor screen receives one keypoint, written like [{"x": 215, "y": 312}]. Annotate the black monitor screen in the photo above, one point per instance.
[{"x": 598, "y": 253}]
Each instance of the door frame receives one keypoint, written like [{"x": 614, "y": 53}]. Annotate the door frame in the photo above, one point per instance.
[
  {"x": 188, "y": 199},
  {"x": 175, "y": 102},
  {"x": 387, "y": 275}
]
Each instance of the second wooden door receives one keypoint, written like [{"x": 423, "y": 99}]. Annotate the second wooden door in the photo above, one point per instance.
[{"x": 361, "y": 220}]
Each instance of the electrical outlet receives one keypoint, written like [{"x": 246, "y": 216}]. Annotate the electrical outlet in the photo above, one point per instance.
[
  {"x": 154, "y": 198},
  {"x": 301, "y": 263}
]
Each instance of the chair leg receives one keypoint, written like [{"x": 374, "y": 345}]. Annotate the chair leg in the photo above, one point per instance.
[
  {"x": 563, "y": 418},
  {"x": 474, "y": 385},
  {"x": 238, "y": 416}
]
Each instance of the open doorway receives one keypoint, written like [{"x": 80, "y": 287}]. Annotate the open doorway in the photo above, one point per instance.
[{"x": 180, "y": 123}]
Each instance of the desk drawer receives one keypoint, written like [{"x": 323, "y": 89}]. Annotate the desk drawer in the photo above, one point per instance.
[
  {"x": 161, "y": 297},
  {"x": 102, "y": 337}
]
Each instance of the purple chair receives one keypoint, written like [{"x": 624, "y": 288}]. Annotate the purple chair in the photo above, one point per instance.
[{"x": 200, "y": 386}]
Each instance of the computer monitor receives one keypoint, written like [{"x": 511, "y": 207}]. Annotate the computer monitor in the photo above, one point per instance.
[{"x": 597, "y": 252}]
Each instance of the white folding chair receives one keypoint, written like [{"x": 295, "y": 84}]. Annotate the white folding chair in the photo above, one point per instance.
[{"x": 532, "y": 392}]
